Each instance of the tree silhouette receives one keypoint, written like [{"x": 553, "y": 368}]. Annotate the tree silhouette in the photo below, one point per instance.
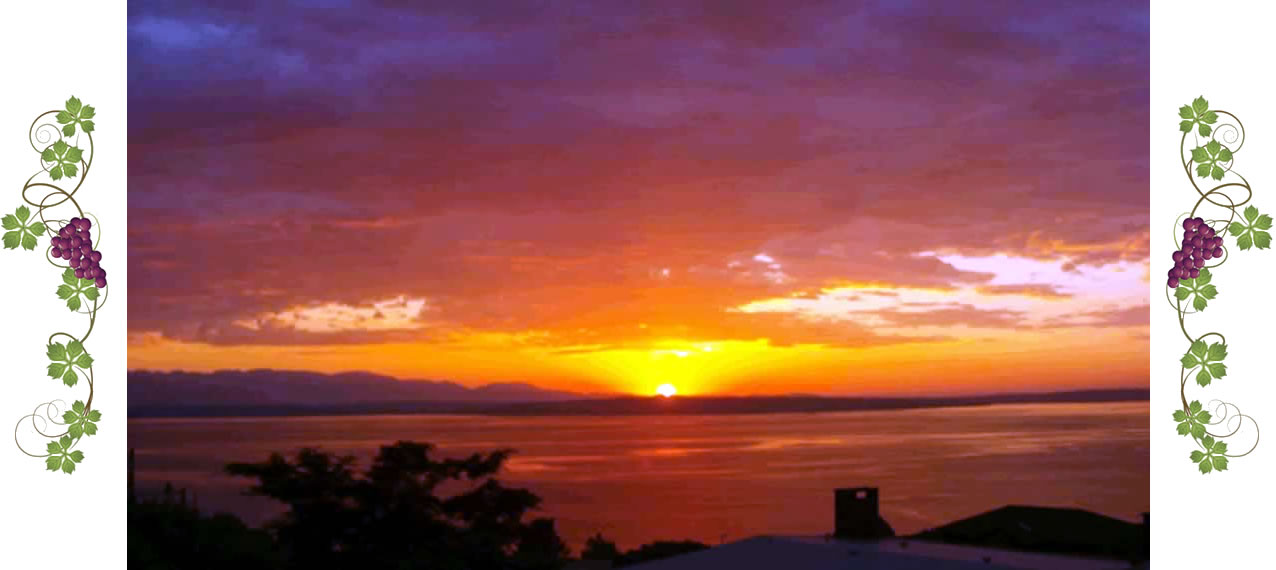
[
  {"x": 658, "y": 550},
  {"x": 392, "y": 516},
  {"x": 599, "y": 548},
  {"x": 168, "y": 534}
]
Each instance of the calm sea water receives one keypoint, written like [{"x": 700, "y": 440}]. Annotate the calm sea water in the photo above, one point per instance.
[{"x": 710, "y": 478}]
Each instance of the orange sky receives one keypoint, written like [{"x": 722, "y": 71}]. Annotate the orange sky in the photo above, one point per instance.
[{"x": 731, "y": 207}]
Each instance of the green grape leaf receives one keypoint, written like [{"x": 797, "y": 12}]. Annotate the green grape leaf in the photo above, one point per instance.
[
  {"x": 1200, "y": 105},
  {"x": 1203, "y": 278},
  {"x": 1213, "y": 458},
  {"x": 75, "y": 288},
  {"x": 1192, "y": 421},
  {"x": 1209, "y": 157},
  {"x": 1251, "y": 233},
  {"x": 1197, "y": 114},
  {"x": 1217, "y": 351},
  {"x": 65, "y": 159},
  {"x": 61, "y": 456},
  {"x": 1210, "y": 360},
  {"x": 1245, "y": 242},
  {"x": 1203, "y": 378},
  {"x": 1220, "y": 462},
  {"x": 79, "y": 422},
  {"x": 25, "y": 229},
  {"x": 64, "y": 361},
  {"x": 1262, "y": 240},
  {"x": 76, "y": 113}
]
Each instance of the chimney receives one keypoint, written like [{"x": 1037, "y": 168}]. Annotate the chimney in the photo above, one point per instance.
[{"x": 856, "y": 516}]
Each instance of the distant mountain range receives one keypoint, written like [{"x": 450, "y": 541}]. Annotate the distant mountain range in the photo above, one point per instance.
[
  {"x": 284, "y": 393},
  {"x": 148, "y": 389}
]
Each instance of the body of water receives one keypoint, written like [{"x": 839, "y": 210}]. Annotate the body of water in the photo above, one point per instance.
[{"x": 712, "y": 478}]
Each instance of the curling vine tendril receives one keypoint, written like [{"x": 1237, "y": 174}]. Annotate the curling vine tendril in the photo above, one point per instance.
[
  {"x": 1216, "y": 138},
  {"x": 63, "y": 142}
]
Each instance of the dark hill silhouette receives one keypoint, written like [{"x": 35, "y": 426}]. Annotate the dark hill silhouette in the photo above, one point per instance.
[
  {"x": 283, "y": 393},
  {"x": 1047, "y": 529},
  {"x": 290, "y": 387}
]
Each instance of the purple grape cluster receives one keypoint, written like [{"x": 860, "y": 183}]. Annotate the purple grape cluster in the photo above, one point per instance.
[
  {"x": 1199, "y": 245},
  {"x": 74, "y": 244}
]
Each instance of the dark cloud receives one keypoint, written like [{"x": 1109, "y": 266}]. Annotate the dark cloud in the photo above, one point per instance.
[{"x": 539, "y": 165}]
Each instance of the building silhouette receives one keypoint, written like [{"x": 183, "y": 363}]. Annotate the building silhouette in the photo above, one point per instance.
[{"x": 1014, "y": 536}]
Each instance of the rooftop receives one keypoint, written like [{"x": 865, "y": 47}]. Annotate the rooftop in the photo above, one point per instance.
[{"x": 819, "y": 553}]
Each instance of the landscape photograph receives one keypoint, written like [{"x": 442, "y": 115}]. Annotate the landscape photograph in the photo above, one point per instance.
[{"x": 662, "y": 285}]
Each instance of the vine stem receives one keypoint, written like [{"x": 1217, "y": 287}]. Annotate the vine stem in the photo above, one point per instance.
[
  {"x": 56, "y": 197},
  {"x": 1215, "y": 196}
]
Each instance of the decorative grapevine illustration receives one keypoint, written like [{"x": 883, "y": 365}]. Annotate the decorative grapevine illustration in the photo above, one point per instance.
[
  {"x": 64, "y": 142},
  {"x": 1208, "y": 158}
]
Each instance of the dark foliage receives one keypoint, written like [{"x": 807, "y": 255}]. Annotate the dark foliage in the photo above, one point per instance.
[
  {"x": 167, "y": 533},
  {"x": 389, "y": 516},
  {"x": 599, "y": 548},
  {"x": 659, "y": 549}
]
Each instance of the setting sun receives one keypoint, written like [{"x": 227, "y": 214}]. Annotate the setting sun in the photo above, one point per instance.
[{"x": 666, "y": 390}]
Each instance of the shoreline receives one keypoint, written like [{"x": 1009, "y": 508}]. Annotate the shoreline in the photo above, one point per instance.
[{"x": 635, "y": 406}]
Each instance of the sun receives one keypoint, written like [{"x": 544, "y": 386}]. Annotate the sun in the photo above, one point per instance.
[{"x": 666, "y": 390}]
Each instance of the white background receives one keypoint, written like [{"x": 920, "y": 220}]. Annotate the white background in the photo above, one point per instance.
[
  {"x": 50, "y": 52},
  {"x": 1222, "y": 50}
]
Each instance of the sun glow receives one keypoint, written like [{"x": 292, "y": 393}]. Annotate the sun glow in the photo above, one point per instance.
[{"x": 666, "y": 390}]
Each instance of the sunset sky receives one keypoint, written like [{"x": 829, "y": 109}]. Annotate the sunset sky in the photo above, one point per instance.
[{"x": 732, "y": 199}]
